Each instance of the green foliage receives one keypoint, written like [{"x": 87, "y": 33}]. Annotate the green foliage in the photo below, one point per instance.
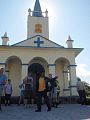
[{"x": 87, "y": 87}]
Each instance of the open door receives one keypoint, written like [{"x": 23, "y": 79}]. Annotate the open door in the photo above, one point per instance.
[{"x": 36, "y": 69}]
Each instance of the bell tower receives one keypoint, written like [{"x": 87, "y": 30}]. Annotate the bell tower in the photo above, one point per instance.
[{"x": 37, "y": 23}]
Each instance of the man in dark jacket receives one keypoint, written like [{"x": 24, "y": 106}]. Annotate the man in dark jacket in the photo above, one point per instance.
[
  {"x": 53, "y": 91},
  {"x": 41, "y": 88}
]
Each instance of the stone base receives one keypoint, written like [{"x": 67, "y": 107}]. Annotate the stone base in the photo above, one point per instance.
[
  {"x": 69, "y": 100},
  {"x": 62, "y": 100}
]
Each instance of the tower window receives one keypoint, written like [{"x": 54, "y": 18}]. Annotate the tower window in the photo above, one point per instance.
[{"x": 38, "y": 28}]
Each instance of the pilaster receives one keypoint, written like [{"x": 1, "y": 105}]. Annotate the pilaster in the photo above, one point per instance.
[
  {"x": 24, "y": 71},
  {"x": 73, "y": 80},
  {"x": 52, "y": 69}
]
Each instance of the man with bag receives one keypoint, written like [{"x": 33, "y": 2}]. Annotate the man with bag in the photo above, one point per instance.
[
  {"x": 53, "y": 90},
  {"x": 28, "y": 89},
  {"x": 42, "y": 88},
  {"x": 3, "y": 79}
]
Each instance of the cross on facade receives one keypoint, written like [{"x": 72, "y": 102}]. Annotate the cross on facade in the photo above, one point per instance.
[{"x": 39, "y": 42}]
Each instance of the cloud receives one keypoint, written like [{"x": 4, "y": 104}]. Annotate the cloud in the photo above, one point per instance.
[{"x": 82, "y": 72}]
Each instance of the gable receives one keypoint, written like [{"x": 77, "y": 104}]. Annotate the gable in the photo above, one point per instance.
[{"x": 37, "y": 41}]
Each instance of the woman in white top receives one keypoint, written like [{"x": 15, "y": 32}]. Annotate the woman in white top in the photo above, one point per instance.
[{"x": 8, "y": 92}]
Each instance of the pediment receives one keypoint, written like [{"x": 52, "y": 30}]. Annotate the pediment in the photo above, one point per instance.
[{"x": 37, "y": 41}]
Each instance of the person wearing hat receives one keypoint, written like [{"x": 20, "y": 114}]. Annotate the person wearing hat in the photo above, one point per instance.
[{"x": 3, "y": 79}]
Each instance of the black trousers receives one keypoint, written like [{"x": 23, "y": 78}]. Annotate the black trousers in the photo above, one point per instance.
[
  {"x": 82, "y": 96},
  {"x": 7, "y": 97},
  {"x": 39, "y": 100}
]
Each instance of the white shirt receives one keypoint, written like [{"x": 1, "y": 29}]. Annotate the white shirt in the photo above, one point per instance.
[
  {"x": 8, "y": 88},
  {"x": 80, "y": 86}
]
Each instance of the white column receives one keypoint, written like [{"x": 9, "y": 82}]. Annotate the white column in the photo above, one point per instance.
[
  {"x": 52, "y": 69},
  {"x": 2, "y": 65},
  {"x": 24, "y": 70},
  {"x": 73, "y": 80},
  {"x": 66, "y": 83}
]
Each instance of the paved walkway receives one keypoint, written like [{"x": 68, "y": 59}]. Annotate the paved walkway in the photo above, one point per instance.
[{"x": 63, "y": 112}]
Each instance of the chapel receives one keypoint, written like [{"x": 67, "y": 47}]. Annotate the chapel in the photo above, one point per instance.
[{"x": 38, "y": 53}]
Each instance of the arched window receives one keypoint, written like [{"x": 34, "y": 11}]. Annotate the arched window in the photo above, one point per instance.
[{"x": 38, "y": 28}]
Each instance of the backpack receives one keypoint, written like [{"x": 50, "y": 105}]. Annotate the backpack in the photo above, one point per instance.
[
  {"x": 49, "y": 87},
  {"x": 29, "y": 84}
]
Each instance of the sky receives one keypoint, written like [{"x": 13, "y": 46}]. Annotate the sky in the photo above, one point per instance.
[{"x": 66, "y": 17}]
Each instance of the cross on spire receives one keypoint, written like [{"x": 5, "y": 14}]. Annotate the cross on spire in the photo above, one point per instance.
[{"x": 39, "y": 42}]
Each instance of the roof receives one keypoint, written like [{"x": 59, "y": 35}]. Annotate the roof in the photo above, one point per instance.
[{"x": 37, "y": 9}]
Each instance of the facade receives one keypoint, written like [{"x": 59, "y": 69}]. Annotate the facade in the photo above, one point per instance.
[{"x": 37, "y": 53}]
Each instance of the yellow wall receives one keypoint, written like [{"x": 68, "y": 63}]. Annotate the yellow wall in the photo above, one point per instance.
[{"x": 16, "y": 56}]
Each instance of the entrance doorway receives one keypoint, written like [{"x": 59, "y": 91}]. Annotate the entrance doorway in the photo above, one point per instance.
[{"x": 36, "y": 69}]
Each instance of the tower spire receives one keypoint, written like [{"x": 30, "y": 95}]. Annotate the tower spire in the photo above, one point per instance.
[
  {"x": 37, "y": 9},
  {"x": 69, "y": 42},
  {"x": 5, "y": 39}
]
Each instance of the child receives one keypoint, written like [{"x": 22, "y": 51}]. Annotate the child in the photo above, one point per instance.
[
  {"x": 8, "y": 92},
  {"x": 22, "y": 92}
]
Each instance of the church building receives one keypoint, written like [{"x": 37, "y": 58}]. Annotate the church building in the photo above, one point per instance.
[{"x": 38, "y": 53}]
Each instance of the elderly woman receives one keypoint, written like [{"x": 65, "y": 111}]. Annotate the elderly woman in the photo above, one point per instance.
[{"x": 81, "y": 91}]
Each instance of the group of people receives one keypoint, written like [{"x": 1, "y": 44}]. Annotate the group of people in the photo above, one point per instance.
[{"x": 46, "y": 87}]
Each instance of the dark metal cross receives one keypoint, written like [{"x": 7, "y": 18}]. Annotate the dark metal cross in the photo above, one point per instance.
[{"x": 39, "y": 42}]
